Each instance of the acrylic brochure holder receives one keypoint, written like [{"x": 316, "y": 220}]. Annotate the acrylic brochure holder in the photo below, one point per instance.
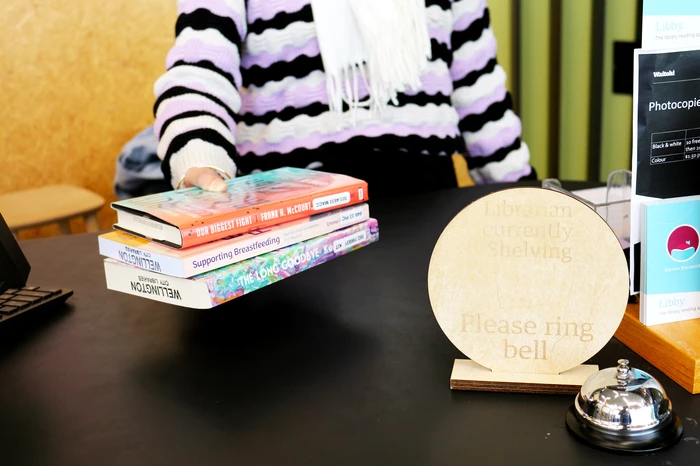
[
  {"x": 611, "y": 202},
  {"x": 673, "y": 348}
]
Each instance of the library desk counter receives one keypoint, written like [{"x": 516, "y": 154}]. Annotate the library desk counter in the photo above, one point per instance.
[{"x": 343, "y": 364}]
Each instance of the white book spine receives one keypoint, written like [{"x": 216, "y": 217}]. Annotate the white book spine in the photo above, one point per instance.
[
  {"x": 171, "y": 290},
  {"x": 232, "y": 251},
  {"x": 149, "y": 228},
  {"x": 146, "y": 260}
]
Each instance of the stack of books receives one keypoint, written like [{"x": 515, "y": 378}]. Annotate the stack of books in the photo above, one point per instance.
[{"x": 199, "y": 249}]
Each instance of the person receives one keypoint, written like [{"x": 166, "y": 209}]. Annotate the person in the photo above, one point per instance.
[{"x": 384, "y": 90}]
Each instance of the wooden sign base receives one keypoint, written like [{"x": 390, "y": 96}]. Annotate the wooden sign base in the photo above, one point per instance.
[
  {"x": 672, "y": 348},
  {"x": 468, "y": 375}
]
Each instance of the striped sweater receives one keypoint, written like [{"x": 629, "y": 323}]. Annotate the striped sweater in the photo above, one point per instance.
[{"x": 245, "y": 89}]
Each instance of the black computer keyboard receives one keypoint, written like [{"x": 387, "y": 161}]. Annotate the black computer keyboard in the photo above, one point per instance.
[{"x": 15, "y": 302}]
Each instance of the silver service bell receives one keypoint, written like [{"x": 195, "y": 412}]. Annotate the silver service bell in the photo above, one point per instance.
[{"x": 623, "y": 409}]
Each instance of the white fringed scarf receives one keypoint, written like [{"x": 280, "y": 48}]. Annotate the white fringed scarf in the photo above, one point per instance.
[{"x": 383, "y": 44}]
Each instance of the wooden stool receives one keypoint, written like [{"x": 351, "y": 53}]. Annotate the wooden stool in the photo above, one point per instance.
[{"x": 50, "y": 204}]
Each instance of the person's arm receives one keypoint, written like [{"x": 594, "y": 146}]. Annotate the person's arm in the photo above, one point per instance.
[
  {"x": 198, "y": 98},
  {"x": 488, "y": 124}
]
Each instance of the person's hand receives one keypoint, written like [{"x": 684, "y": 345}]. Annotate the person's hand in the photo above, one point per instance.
[{"x": 205, "y": 178}]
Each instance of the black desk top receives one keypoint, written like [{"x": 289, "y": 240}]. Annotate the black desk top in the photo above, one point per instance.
[{"x": 342, "y": 364}]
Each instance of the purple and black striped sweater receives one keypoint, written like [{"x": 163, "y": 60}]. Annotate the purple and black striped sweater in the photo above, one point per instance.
[{"x": 245, "y": 90}]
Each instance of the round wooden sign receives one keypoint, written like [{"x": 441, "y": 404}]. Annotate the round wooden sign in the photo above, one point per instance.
[{"x": 528, "y": 280}]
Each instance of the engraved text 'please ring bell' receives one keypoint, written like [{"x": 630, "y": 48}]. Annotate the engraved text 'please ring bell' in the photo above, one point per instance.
[{"x": 623, "y": 409}]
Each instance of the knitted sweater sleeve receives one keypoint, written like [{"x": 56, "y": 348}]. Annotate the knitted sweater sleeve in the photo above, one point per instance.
[
  {"x": 490, "y": 128},
  {"x": 198, "y": 98}
]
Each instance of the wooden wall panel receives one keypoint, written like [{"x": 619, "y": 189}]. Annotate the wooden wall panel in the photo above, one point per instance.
[
  {"x": 616, "y": 124},
  {"x": 77, "y": 83},
  {"x": 575, "y": 90},
  {"x": 502, "y": 15},
  {"x": 535, "y": 81}
]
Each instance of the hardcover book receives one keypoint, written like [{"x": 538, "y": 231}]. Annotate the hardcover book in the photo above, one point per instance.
[
  {"x": 222, "y": 285},
  {"x": 184, "y": 263},
  {"x": 189, "y": 217},
  {"x": 670, "y": 263}
]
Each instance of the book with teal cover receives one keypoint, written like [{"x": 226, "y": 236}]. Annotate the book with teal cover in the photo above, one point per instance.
[{"x": 670, "y": 278}]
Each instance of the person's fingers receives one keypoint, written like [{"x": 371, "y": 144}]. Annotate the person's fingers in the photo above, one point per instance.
[{"x": 206, "y": 178}]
